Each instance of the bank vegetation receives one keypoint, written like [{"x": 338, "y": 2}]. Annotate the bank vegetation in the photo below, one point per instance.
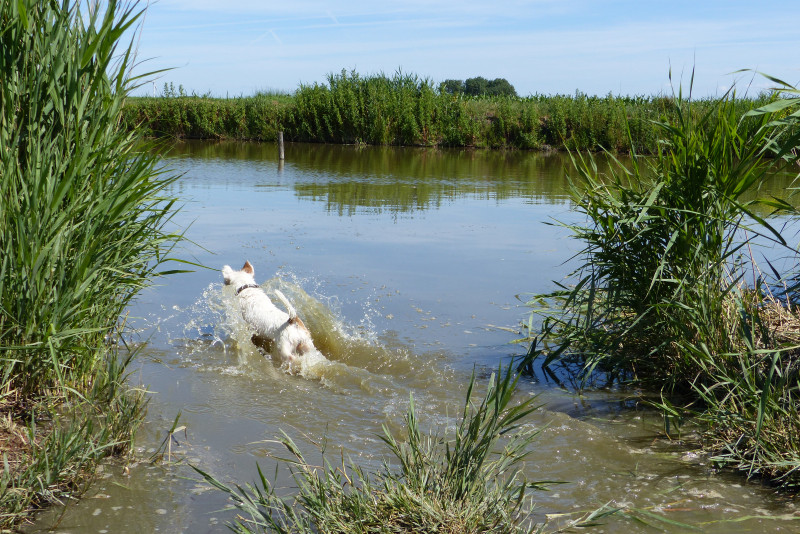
[
  {"x": 404, "y": 109},
  {"x": 468, "y": 480},
  {"x": 83, "y": 228},
  {"x": 683, "y": 288}
]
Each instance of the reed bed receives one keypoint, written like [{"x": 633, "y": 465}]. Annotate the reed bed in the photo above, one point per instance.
[
  {"x": 83, "y": 228},
  {"x": 668, "y": 295},
  {"x": 466, "y": 482},
  {"x": 404, "y": 109},
  {"x": 257, "y": 118}
]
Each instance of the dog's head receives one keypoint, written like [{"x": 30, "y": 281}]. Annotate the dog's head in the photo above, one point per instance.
[{"x": 238, "y": 278}]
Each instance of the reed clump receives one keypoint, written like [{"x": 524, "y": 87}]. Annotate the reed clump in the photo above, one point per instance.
[
  {"x": 668, "y": 294},
  {"x": 404, "y": 109},
  {"x": 468, "y": 482},
  {"x": 194, "y": 116},
  {"x": 82, "y": 230}
]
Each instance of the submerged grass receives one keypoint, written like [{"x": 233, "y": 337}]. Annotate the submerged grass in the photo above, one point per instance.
[
  {"x": 662, "y": 296},
  {"x": 82, "y": 230},
  {"x": 404, "y": 109},
  {"x": 469, "y": 482}
]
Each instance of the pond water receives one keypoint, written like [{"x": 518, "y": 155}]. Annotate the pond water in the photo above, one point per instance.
[{"x": 410, "y": 266}]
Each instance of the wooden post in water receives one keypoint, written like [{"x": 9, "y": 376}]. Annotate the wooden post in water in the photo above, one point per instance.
[{"x": 280, "y": 145}]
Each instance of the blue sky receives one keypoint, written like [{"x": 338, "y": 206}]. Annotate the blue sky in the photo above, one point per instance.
[{"x": 238, "y": 47}]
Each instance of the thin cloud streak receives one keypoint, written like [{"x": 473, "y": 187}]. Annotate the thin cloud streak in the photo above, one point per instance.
[{"x": 540, "y": 47}]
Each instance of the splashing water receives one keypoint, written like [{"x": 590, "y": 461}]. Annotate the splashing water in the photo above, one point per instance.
[{"x": 216, "y": 338}]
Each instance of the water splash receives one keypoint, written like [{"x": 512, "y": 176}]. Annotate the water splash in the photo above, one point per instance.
[{"x": 351, "y": 357}]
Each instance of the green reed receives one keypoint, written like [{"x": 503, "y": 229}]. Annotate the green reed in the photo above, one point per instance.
[
  {"x": 404, "y": 109},
  {"x": 664, "y": 294},
  {"x": 467, "y": 482},
  {"x": 258, "y": 117},
  {"x": 83, "y": 228}
]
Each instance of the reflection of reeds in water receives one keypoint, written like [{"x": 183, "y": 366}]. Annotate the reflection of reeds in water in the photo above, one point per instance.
[{"x": 401, "y": 180}]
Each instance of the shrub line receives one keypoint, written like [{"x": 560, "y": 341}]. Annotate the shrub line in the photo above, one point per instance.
[{"x": 406, "y": 110}]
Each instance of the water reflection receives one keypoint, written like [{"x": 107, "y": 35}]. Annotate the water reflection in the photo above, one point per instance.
[
  {"x": 400, "y": 180},
  {"x": 405, "y": 179}
]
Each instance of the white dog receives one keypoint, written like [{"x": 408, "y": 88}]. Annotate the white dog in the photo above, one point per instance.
[{"x": 275, "y": 329}]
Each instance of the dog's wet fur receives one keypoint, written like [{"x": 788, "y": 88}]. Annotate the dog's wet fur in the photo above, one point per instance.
[{"x": 277, "y": 332}]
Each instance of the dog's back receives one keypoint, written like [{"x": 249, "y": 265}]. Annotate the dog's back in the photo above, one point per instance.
[{"x": 274, "y": 328}]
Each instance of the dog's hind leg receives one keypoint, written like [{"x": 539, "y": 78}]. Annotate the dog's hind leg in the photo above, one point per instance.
[{"x": 263, "y": 342}]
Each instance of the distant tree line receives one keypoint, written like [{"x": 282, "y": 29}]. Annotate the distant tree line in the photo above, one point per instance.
[{"x": 479, "y": 86}]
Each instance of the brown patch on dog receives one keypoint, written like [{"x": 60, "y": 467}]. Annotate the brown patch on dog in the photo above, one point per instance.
[
  {"x": 296, "y": 320},
  {"x": 302, "y": 348},
  {"x": 247, "y": 267}
]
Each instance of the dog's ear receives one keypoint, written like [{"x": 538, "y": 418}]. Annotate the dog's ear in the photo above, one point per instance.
[{"x": 247, "y": 268}]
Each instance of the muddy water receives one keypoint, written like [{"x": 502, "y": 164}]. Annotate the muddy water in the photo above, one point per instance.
[{"x": 407, "y": 264}]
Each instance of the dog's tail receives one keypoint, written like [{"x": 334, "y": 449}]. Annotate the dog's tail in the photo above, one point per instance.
[{"x": 289, "y": 308}]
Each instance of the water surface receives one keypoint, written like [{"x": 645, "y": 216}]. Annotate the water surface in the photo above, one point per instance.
[{"x": 410, "y": 266}]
